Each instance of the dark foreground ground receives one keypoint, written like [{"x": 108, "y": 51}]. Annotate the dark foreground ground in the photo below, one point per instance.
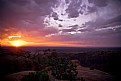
[{"x": 107, "y": 60}]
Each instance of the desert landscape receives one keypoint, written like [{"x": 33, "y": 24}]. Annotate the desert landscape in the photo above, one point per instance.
[{"x": 92, "y": 65}]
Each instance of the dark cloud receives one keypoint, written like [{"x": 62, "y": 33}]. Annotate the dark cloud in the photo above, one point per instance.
[
  {"x": 49, "y": 2},
  {"x": 27, "y": 16},
  {"x": 17, "y": 13},
  {"x": 24, "y": 9},
  {"x": 92, "y": 9},
  {"x": 76, "y": 7},
  {"x": 114, "y": 20},
  {"x": 72, "y": 28},
  {"x": 55, "y": 15},
  {"x": 103, "y": 38},
  {"x": 60, "y": 25},
  {"x": 68, "y": 30},
  {"x": 42, "y": 1},
  {"x": 86, "y": 30},
  {"x": 99, "y": 22},
  {"x": 73, "y": 8},
  {"x": 20, "y": 2},
  {"x": 67, "y": 1},
  {"x": 73, "y": 13},
  {"x": 102, "y": 23},
  {"x": 99, "y": 3},
  {"x": 48, "y": 31}
]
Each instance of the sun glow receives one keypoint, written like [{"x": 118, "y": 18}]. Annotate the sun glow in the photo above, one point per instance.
[{"x": 16, "y": 41}]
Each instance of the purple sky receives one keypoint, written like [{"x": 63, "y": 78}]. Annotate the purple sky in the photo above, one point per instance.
[{"x": 74, "y": 22}]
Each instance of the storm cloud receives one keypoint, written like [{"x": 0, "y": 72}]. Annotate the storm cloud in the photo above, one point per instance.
[{"x": 82, "y": 21}]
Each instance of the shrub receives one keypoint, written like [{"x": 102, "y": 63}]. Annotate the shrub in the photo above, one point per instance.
[
  {"x": 37, "y": 76},
  {"x": 63, "y": 69}
]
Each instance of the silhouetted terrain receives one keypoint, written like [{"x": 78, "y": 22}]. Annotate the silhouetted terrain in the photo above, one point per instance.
[{"x": 14, "y": 60}]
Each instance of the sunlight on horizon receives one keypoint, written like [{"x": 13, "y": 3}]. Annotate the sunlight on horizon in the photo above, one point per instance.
[{"x": 16, "y": 41}]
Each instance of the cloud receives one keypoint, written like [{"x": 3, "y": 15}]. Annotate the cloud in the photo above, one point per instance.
[
  {"x": 22, "y": 14},
  {"x": 81, "y": 21},
  {"x": 68, "y": 30},
  {"x": 85, "y": 30},
  {"x": 16, "y": 10},
  {"x": 73, "y": 13},
  {"x": 20, "y": 2},
  {"x": 99, "y": 3},
  {"x": 55, "y": 16}
]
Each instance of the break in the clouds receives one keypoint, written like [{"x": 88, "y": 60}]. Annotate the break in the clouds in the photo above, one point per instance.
[{"x": 79, "y": 22}]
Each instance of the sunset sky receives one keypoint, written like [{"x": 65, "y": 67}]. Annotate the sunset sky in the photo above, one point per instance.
[{"x": 61, "y": 22}]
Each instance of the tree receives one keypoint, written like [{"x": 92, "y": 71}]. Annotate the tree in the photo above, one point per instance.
[
  {"x": 63, "y": 69},
  {"x": 36, "y": 76}
]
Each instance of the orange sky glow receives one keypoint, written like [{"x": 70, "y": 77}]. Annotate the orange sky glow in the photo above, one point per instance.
[{"x": 18, "y": 41}]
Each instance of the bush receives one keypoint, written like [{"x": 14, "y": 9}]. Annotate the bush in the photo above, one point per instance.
[
  {"x": 37, "y": 76},
  {"x": 63, "y": 69}
]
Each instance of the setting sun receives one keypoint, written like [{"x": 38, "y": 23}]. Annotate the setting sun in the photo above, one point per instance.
[{"x": 17, "y": 43}]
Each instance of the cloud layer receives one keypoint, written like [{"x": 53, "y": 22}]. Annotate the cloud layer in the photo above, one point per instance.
[{"x": 77, "y": 22}]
